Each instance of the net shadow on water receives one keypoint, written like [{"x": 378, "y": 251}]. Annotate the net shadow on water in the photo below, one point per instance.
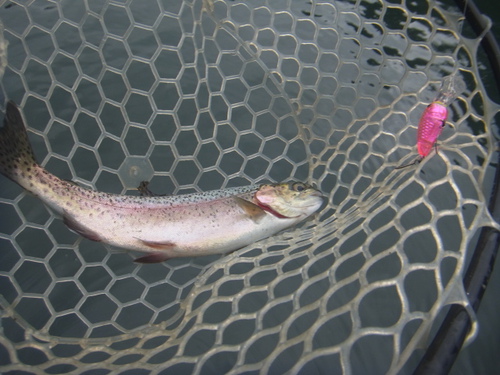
[{"x": 201, "y": 95}]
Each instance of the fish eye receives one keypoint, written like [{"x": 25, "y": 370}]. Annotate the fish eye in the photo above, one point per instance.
[{"x": 299, "y": 186}]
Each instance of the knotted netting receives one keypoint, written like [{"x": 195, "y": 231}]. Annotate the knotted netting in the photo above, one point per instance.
[{"x": 201, "y": 95}]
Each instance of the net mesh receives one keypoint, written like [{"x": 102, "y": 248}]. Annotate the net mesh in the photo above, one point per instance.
[{"x": 199, "y": 95}]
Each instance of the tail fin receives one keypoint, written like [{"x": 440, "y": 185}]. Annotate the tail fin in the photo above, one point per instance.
[{"x": 16, "y": 154}]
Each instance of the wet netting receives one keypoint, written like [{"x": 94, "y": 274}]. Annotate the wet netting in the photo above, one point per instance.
[{"x": 201, "y": 95}]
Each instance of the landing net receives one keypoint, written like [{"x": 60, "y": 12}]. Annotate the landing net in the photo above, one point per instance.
[{"x": 200, "y": 95}]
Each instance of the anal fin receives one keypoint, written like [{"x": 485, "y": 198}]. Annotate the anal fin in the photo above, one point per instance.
[
  {"x": 158, "y": 253},
  {"x": 74, "y": 225},
  {"x": 158, "y": 245},
  {"x": 255, "y": 212},
  {"x": 152, "y": 258}
]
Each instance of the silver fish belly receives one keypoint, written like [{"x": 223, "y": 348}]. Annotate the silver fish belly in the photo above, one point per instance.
[{"x": 163, "y": 227}]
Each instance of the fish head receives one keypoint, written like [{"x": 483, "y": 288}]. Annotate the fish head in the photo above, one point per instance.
[{"x": 289, "y": 200}]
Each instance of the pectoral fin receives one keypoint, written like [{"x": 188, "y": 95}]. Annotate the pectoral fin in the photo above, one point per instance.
[{"x": 252, "y": 210}]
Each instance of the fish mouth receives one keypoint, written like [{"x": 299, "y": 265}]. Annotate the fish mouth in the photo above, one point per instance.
[
  {"x": 316, "y": 193},
  {"x": 320, "y": 200}
]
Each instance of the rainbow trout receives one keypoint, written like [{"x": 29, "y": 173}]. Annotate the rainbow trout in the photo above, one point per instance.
[{"x": 163, "y": 227}]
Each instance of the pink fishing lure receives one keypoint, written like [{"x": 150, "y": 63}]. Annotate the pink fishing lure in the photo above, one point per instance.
[
  {"x": 434, "y": 117},
  {"x": 430, "y": 127}
]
